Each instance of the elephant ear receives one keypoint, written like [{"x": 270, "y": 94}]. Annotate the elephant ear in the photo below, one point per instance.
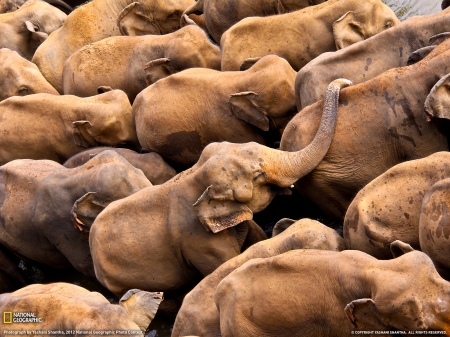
[
  {"x": 244, "y": 106},
  {"x": 399, "y": 248},
  {"x": 156, "y": 70},
  {"x": 218, "y": 210},
  {"x": 346, "y": 31},
  {"x": 36, "y": 34},
  {"x": 363, "y": 314},
  {"x": 132, "y": 22},
  {"x": 248, "y": 63},
  {"x": 437, "y": 103},
  {"x": 81, "y": 135},
  {"x": 86, "y": 209},
  {"x": 141, "y": 306},
  {"x": 282, "y": 225}
]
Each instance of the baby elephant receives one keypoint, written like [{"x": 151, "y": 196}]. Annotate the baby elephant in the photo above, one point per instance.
[
  {"x": 323, "y": 293},
  {"x": 20, "y": 76},
  {"x": 128, "y": 56},
  {"x": 44, "y": 126},
  {"x": 388, "y": 208},
  {"x": 198, "y": 314},
  {"x": 178, "y": 116},
  {"x": 47, "y": 209},
  {"x": 151, "y": 164},
  {"x": 64, "y": 306}
]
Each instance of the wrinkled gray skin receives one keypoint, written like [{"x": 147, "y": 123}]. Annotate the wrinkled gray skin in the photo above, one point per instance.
[
  {"x": 365, "y": 60},
  {"x": 44, "y": 126},
  {"x": 219, "y": 15},
  {"x": 380, "y": 125},
  {"x": 198, "y": 314},
  {"x": 137, "y": 61},
  {"x": 200, "y": 218},
  {"x": 405, "y": 294},
  {"x": 57, "y": 205},
  {"x": 101, "y": 19},
  {"x": 151, "y": 164},
  {"x": 181, "y": 114},
  {"x": 25, "y": 29},
  {"x": 20, "y": 77},
  {"x": 388, "y": 208}
]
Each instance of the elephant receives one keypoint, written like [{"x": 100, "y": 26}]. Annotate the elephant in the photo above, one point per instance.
[
  {"x": 50, "y": 224},
  {"x": 101, "y": 19},
  {"x": 26, "y": 28},
  {"x": 159, "y": 55},
  {"x": 220, "y": 15},
  {"x": 388, "y": 208},
  {"x": 433, "y": 226},
  {"x": 23, "y": 77},
  {"x": 44, "y": 126},
  {"x": 323, "y": 293},
  {"x": 380, "y": 125},
  {"x": 307, "y": 33},
  {"x": 151, "y": 164},
  {"x": 198, "y": 314},
  {"x": 363, "y": 61},
  {"x": 63, "y": 307},
  {"x": 202, "y": 217},
  {"x": 173, "y": 119}
]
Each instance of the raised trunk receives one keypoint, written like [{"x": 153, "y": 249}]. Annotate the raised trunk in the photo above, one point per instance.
[{"x": 288, "y": 167}]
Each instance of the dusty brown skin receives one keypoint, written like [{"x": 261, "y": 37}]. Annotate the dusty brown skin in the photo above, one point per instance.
[
  {"x": 7, "y": 6},
  {"x": 131, "y": 63},
  {"x": 388, "y": 208},
  {"x": 219, "y": 15},
  {"x": 100, "y": 19},
  {"x": 20, "y": 77},
  {"x": 405, "y": 294},
  {"x": 44, "y": 126},
  {"x": 64, "y": 306},
  {"x": 366, "y": 60},
  {"x": 380, "y": 125},
  {"x": 307, "y": 33},
  {"x": 198, "y": 314},
  {"x": 57, "y": 205},
  {"x": 434, "y": 226},
  {"x": 198, "y": 219},
  {"x": 25, "y": 29},
  {"x": 151, "y": 164},
  {"x": 181, "y": 114}
]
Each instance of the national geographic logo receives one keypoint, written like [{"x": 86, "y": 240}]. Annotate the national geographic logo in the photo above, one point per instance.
[{"x": 20, "y": 317}]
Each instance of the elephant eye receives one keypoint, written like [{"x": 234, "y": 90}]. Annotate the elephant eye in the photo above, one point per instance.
[
  {"x": 23, "y": 91},
  {"x": 259, "y": 177},
  {"x": 388, "y": 24}
]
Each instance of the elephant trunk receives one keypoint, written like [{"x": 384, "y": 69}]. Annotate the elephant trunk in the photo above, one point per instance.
[{"x": 291, "y": 166}]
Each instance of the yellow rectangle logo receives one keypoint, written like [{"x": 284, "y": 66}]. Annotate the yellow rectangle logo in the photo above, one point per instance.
[{"x": 7, "y": 317}]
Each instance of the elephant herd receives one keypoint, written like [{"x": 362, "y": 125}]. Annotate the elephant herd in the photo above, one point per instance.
[{"x": 138, "y": 139}]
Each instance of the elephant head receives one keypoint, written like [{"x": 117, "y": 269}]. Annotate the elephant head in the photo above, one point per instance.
[
  {"x": 107, "y": 121},
  {"x": 409, "y": 295},
  {"x": 246, "y": 177},
  {"x": 21, "y": 76},
  {"x": 369, "y": 19},
  {"x": 437, "y": 103},
  {"x": 152, "y": 17}
]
